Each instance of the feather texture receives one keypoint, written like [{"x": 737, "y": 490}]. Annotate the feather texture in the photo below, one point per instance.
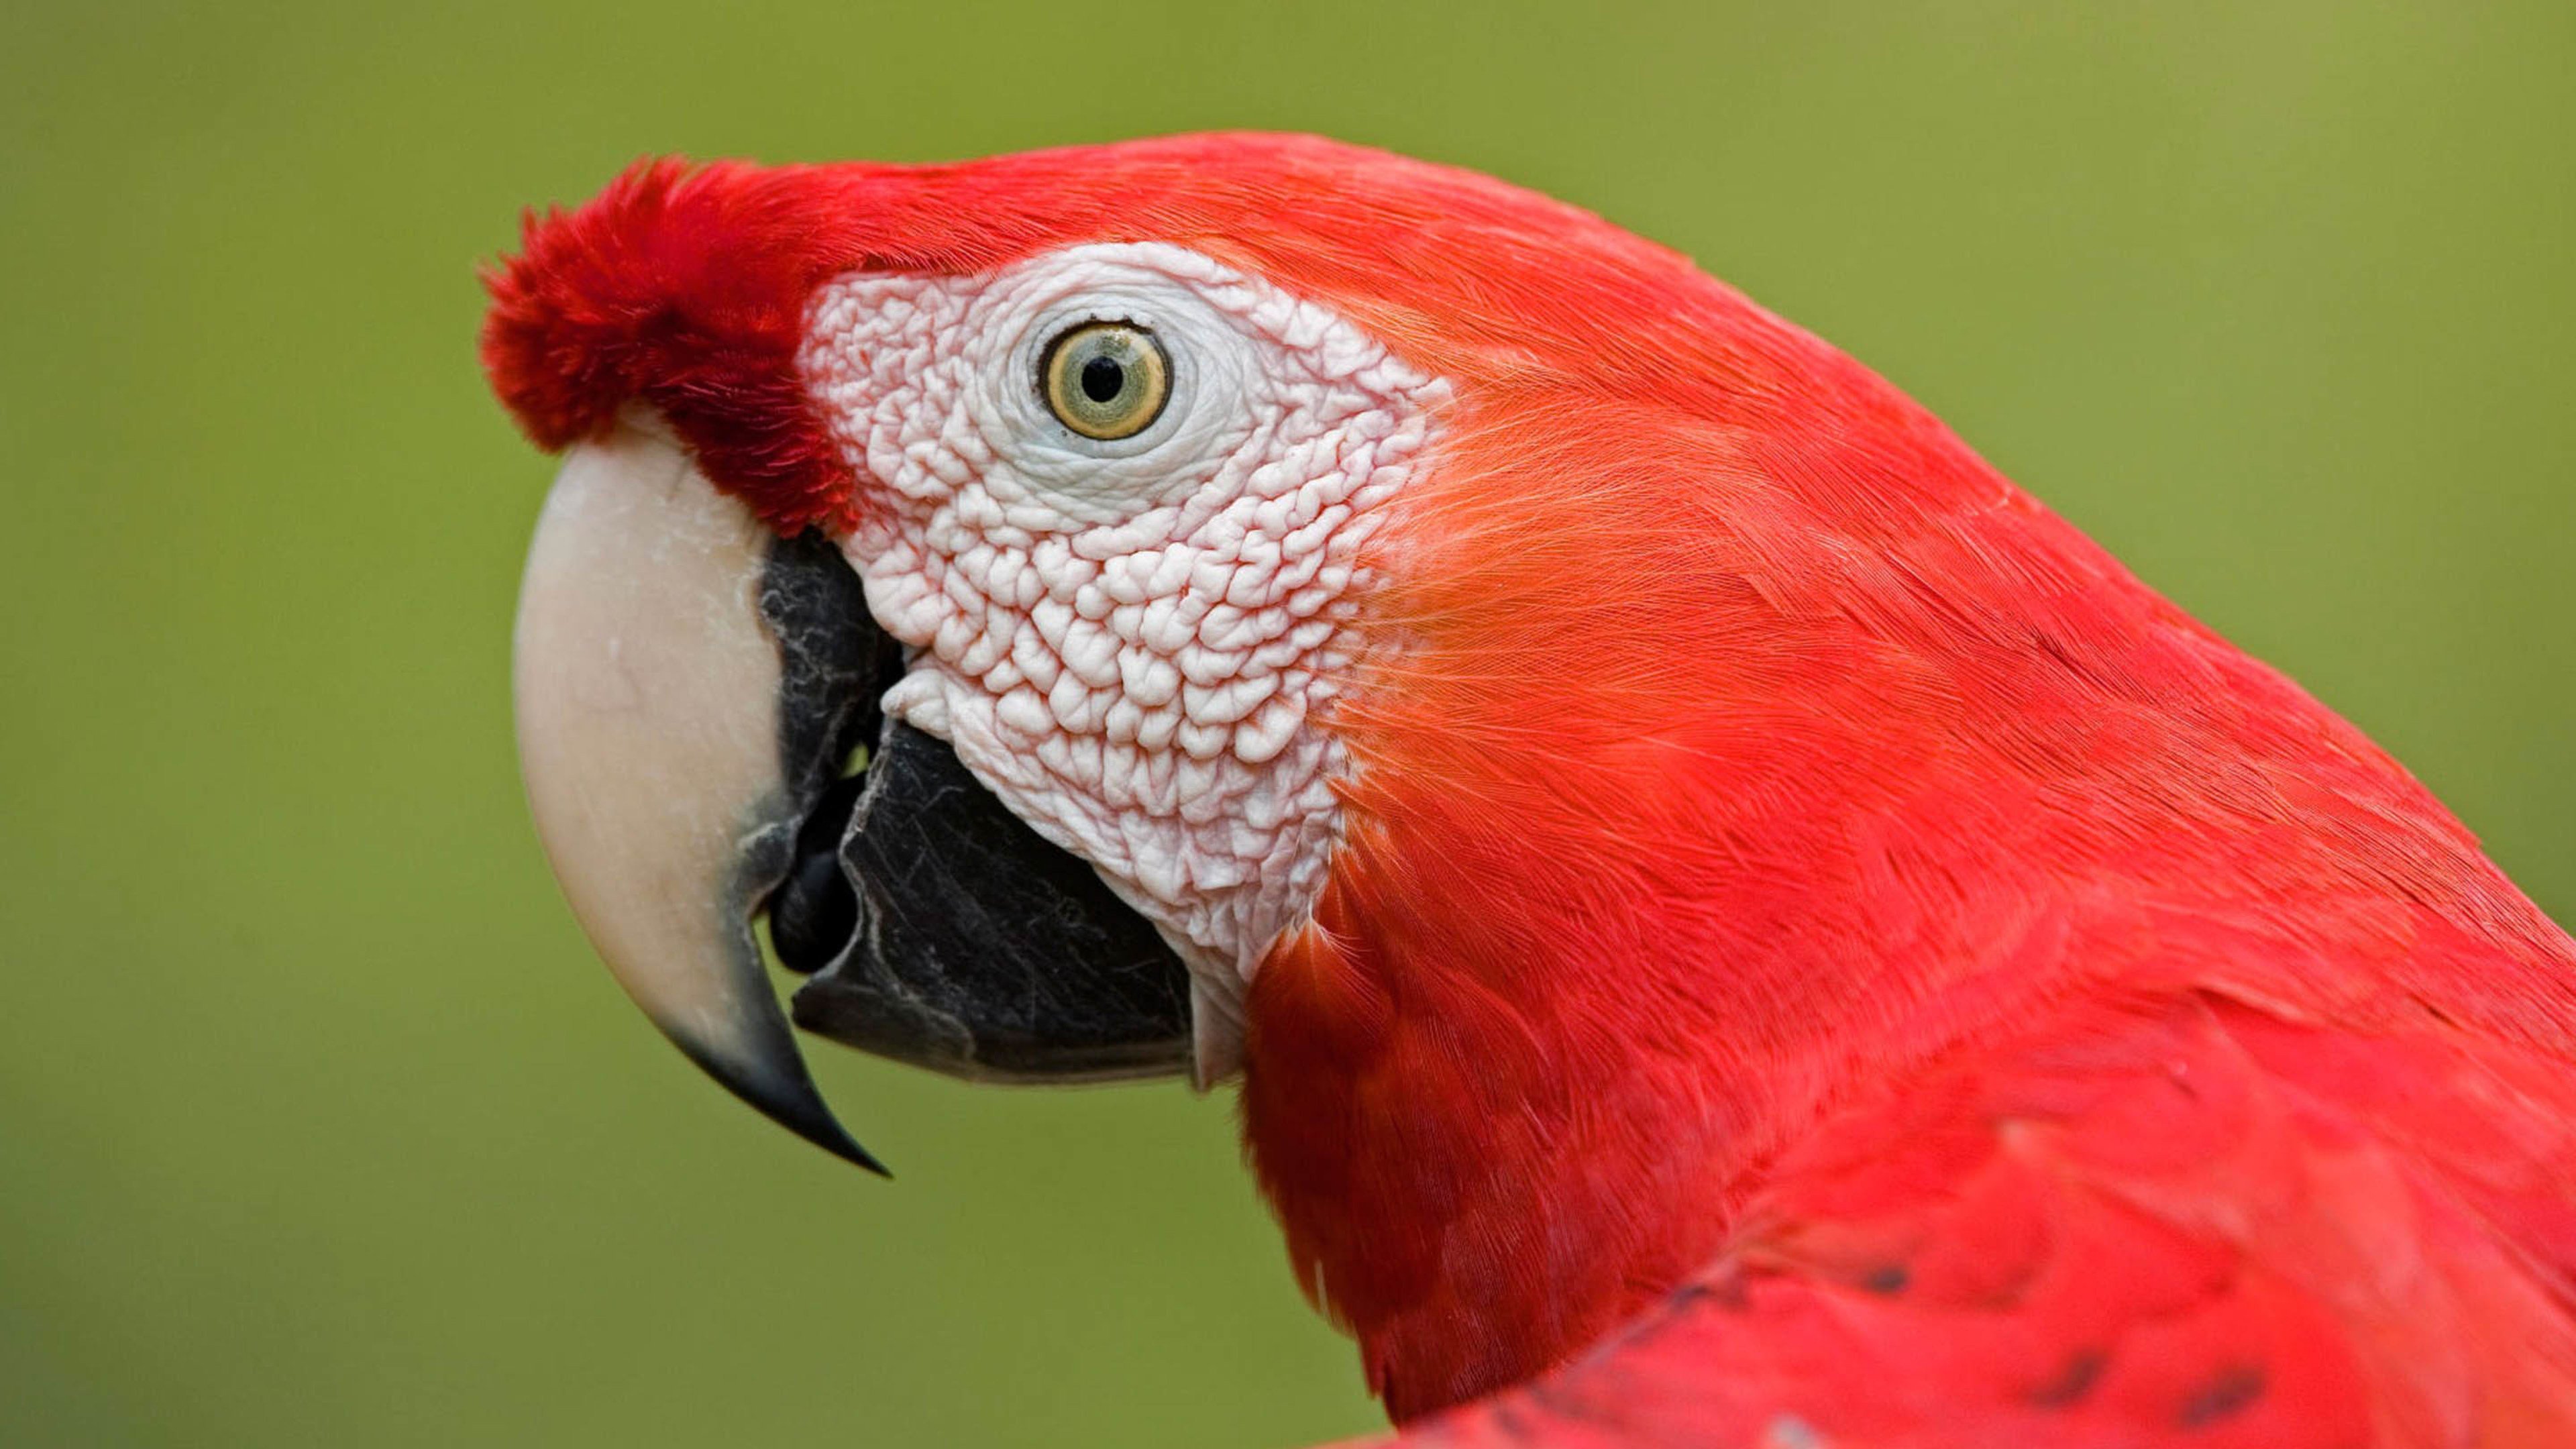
[
  {"x": 1781, "y": 857},
  {"x": 2164, "y": 1222}
]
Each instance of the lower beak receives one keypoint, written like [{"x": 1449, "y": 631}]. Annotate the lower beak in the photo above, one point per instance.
[{"x": 688, "y": 688}]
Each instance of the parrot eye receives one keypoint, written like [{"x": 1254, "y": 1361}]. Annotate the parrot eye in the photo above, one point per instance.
[{"x": 1105, "y": 380}]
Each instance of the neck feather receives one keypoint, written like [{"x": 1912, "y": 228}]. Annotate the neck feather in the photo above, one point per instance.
[{"x": 1663, "y": 839}]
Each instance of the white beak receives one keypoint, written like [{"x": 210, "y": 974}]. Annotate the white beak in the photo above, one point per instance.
[{"x": 649, "y": 705}]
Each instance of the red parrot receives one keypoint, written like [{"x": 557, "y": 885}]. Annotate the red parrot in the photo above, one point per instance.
[{"x": 1735, "y": 925}]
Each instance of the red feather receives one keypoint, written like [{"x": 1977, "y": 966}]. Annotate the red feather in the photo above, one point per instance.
[
  {"x": 2148, "y": 1226},
  {"x": 1782, "y": 857}
]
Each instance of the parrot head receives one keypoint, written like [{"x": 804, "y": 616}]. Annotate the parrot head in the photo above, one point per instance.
[
  {"x": 1252, "y": 604},
  {"x": 1058, "y": 489},
  {"x": 1025, "y": 488}
]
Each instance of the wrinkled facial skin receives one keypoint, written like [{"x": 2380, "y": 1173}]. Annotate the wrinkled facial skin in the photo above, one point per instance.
[{"x": 1131, "y": 642}]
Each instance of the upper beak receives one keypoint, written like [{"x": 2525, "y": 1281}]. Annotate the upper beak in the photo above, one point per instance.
[
  {"x": 688, "y": 688},
  {"x": 650, "y": 735}
]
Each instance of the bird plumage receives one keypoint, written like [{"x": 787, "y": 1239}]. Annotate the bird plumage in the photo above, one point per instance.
[{"x": 1816, "y": 948}]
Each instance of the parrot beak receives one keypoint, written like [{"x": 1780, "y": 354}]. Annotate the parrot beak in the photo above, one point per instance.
[
  {"x": 689, "y": 686},
  {"x": 648, "y": 695}
]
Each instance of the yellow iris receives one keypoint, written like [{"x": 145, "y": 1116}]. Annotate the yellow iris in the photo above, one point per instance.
[{"x": 1106, "y": 380}]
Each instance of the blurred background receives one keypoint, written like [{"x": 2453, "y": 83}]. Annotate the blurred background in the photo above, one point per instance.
[{"x": 318, "y": 1124}]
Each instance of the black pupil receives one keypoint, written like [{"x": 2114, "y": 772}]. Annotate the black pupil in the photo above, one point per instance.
[{"x": 1103, "y": 379}]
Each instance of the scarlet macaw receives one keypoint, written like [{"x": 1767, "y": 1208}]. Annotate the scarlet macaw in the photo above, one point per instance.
[{"x": 1735, "y": 924}]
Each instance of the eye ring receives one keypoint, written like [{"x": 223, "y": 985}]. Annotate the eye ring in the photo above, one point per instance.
[{"x": 1105, "y": 380}]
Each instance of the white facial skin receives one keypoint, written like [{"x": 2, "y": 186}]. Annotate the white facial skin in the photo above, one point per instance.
[{"x": 1130, "y": 641}]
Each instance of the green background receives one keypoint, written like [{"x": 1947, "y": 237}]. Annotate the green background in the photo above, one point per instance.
[{"x": 317, "y": 1122}]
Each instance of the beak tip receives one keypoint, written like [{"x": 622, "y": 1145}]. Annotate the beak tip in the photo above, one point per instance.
[
  {"x": 842, "y": 1145},
  {"x": 785, "y": 1095}
]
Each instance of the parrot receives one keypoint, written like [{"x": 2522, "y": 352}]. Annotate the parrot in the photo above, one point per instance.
[{"x": 1729, "y": 922}]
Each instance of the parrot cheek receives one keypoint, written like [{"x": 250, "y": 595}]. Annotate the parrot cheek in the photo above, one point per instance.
[{"x": 688, "y": 687}]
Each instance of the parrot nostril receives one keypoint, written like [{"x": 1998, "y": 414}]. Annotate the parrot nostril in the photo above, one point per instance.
[{"x": 814, "y": 911}]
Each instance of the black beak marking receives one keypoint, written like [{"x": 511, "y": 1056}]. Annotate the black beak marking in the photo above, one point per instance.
[
  {"x": 935, "y": 927},
  {"x": 983, "y": 951}
]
